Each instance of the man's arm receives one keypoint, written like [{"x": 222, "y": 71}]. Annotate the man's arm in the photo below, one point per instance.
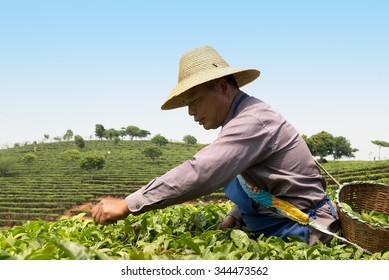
[
  {"x": 232, "y": 219},
  {"x": 241, "y": 143}
]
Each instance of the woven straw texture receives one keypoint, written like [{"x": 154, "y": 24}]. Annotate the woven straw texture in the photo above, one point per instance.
[
  {"x": 201, "y": 65},
  {"x": 364, "y": 196}
]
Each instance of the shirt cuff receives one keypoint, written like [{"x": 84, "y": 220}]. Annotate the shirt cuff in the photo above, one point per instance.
[{"x": 135, "y": 202}]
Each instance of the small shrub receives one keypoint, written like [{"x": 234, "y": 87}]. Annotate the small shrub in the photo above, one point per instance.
[
  {"x": 6, "y": 165},
  {"x": 152, "y": 152},
  {"x": 80, "y": 143},
  {"x": 29, "y": 159},
  {"x": 190, "y": 140},
  {"x": 159, "y": 140},
  {"x": 92, "y": 162}
]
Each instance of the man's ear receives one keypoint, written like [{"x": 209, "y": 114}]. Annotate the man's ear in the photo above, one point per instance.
[{"x": 223, "y": 86}]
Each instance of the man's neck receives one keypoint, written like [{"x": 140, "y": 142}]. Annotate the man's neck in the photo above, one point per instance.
[{"x": 238, "y": 93}]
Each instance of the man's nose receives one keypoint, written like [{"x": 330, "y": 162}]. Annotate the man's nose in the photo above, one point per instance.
[{"x": 191, "y": 110}]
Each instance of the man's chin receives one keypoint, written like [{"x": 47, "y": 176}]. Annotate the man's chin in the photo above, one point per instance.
[{"x": 208, "y": 127}]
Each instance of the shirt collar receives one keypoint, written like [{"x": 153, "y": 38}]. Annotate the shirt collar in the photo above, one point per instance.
[{"x": 230, "y": 114}]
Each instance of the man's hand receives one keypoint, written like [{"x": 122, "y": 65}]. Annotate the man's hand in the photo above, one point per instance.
[
  {"x": 230, "y": 222},
  {"x": 110, "y": 210}
]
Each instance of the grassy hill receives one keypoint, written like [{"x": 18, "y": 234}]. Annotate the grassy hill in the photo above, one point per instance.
[{"x": 49, "y": 187}]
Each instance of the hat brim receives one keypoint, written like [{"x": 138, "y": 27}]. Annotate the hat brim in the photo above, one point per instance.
[{"x": 175, "y": 99}]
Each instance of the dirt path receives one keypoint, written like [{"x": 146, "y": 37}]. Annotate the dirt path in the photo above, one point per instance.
[{"x": 86, "y": 207}]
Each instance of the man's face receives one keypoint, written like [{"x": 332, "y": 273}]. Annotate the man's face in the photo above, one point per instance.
[{"x": 209, "y": 103}]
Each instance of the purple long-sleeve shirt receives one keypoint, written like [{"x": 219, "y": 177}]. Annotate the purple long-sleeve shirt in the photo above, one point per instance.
[{"x": 256, "y": 142}]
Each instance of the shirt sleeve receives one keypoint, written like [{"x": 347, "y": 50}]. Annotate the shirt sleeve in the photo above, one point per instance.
[
  {"x": 235, "y": 213},
  {"x": 242, "y": 142}
]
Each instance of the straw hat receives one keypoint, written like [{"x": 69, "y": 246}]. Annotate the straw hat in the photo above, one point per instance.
[{"x": 199, "y": 66}]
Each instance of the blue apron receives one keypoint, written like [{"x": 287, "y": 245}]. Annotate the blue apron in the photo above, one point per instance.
[
  {"x": 263, "y": 224},
  {"x": 270, "y": 225}
]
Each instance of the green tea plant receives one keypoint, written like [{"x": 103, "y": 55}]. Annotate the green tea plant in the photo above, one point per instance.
[
  {"x": 176, "y": 233},
  {"x": 369, "y": 216}
]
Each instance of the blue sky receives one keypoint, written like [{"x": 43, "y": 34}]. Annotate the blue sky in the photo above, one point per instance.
[{"x": 73, "y": 64}]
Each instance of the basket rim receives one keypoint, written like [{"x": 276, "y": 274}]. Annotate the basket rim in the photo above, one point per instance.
[{"x": 353, "y": 217}]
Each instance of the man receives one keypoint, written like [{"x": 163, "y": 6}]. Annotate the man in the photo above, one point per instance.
[{"x": 255, "y": 142}]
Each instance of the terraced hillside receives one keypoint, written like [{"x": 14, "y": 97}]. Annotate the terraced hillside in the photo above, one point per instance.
[
  {"x": 346, "y": 171},
  {"x": 50, "y": 187}
]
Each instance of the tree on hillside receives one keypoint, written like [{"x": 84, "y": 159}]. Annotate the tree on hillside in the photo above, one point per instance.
[
  {"x": 152, "y": 152},
  {"x": 28, "y": 159},
  {"x": 99, "y": 131},
  {"x": 324, "y": 144},
  {"x": 159, "y": 140},
  {"x": 143, "y": 133},
  {"x": 132, "y": 131},
  {"x": 190, "y": 140},
  {"x": 46, "y": 137},
  {"x": 122, "y": 132},
  {"x": 92, "y": 162},
  {"x": 380, "y": 144},
  {"x": 342, "y": 148},
  {"x": 321, "y": 144},
  {"x": 135, "y": 132},
  {"x": 71, "y": 158},
  {"x": 79, "y": 141},
  {"x": 68, "y": 135},
  {"x": 112, "y": 134}
]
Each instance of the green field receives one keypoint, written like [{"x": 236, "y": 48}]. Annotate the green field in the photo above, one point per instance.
[
  {"x": 49, "y": 186},
  {"x": 34, "y": 198}
]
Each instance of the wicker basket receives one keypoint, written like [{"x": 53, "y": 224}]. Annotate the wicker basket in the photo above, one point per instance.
[{"x": 364, "y": 196}]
